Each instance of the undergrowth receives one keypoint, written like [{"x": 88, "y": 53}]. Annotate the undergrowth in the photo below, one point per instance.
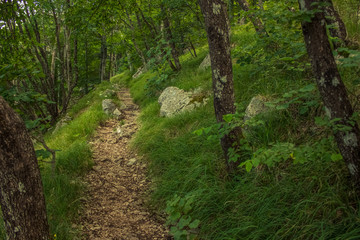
[{"x": 287, "y": 199}]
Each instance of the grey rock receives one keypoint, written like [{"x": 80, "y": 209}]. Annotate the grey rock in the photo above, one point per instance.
[
  {"x": 205, "y": 63},
  {"x": 108, "y": 106},
  {"x": 174, "y": 101},
  {"x": 118, "y": 114},
  {"x": 255, "y": 107}
]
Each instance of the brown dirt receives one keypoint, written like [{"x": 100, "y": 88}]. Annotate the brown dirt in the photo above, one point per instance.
[{"x": 115, "y": 207}]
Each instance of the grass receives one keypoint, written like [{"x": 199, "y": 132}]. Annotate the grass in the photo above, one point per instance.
[{"x": 287, "y": 201}]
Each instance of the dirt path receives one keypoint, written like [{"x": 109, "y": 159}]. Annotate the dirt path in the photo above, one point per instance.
[{"x": 117, "y": 184}]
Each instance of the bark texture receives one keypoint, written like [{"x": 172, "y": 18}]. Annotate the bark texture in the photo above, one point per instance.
[
  {"x": 332, "y": 89},
  {"x": 217, "y": 28},
  {"x": 169, "y": 37},
  {"x": 258, "y": 25},
  {"x": 338, "y": 28},
  {"x": 21, "y": 197}
]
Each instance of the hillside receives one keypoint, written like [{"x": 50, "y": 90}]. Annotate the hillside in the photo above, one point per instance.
[{"x": 264, "y": 143}]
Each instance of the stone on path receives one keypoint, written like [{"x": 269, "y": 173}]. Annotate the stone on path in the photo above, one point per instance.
[{"x": 108, "y": 106}]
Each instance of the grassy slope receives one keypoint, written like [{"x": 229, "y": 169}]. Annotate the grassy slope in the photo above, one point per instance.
[{"x": 288, "y": 201}]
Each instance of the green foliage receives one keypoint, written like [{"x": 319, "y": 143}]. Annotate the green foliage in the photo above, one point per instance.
[
  {"x": 181, "y": 225},
  {"x": 297, "y": 186},
  {"x": 282, "y": 51},
  {"x": 306, "y": 98},
  {"x": 156, "y": 84}
]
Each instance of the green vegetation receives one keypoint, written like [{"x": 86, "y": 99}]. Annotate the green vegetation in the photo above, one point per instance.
[
  {"x": 285, "y": 199},
  {"x": 292, "y": 182}
]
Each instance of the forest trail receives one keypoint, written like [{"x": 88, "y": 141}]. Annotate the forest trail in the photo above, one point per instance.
[{"x": 117, "y": 184}]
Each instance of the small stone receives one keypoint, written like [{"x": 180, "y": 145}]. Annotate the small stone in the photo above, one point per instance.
[
  {"x": 118, "y": 114},
  {"x": 131, "y": 162}
]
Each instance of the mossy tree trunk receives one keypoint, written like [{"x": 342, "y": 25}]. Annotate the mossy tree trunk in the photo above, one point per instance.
[
  {"x": 332, "y": 89},
  {"x": 217, "y": 28},
  {"x": 21, "y": 197}
]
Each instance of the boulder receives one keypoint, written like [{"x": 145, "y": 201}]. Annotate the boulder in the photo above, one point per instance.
[
  {"x": 108, "y": 106},
  {"x": 205, "y": 63},
  {"x": 255, "y": 107},
  {"x": 174, "y": 101}
]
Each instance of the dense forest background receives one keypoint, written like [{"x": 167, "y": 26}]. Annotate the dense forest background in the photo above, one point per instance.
[{"x": 57, "y": 57}]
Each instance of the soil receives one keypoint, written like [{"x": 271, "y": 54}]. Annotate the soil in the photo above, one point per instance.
[{"x": 118, "y": 186}]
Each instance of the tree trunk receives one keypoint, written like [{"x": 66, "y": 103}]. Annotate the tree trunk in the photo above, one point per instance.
[
  {"x": 131, "y": 68},
  {"x": 338, "y": 29},
  {"x": 332, "y": 89},
  {"x": 258, "y": 25},
  {"x": 169, "y": 38},
  {"x": 103, "y": 56},
  {"x": 22, "y": 199},
  {"x": 217, "y": 28}
]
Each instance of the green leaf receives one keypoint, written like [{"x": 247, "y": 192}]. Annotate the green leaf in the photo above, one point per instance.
[
  {"x": 308, "y": 88},
  {"x": 175, "y": 216},
  {"x": 336, "y": 157},
  {"x": 282, "y": 106},
  {"x": 183, "y": 222},
  {"x": 198, "y": 132},
  {"x": 228, "y": 118},
  {"x": 42, "y": 153},
  {"x": 248, "y": 166},
  {"x": 194, "y": 224}
]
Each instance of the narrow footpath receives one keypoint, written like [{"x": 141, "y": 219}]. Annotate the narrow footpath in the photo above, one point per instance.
[{"x": 117, "y": 184}]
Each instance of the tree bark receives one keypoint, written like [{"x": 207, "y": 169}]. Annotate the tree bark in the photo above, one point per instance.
[
  {"x": 338, "y": 29},
  {"x": 332, "y": 89},
  {"x": 217, "y": 28},
  {"x": 22, "y": 200},
  {"x": 258, "y": 25},
  {"x": 103, "y": 57},
  {"x": 169, "y": 38}
]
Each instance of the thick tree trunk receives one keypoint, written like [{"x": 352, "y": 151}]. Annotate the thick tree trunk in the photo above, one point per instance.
[
  {"x": 217, "y": 28},
  {"x": 258, "y": 25},
  {"x": 332, "y": 89},
  {"x": 22, "y": 200}
]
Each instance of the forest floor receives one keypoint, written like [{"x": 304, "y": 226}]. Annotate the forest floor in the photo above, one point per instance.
[{"x": 118, "y": 186}]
